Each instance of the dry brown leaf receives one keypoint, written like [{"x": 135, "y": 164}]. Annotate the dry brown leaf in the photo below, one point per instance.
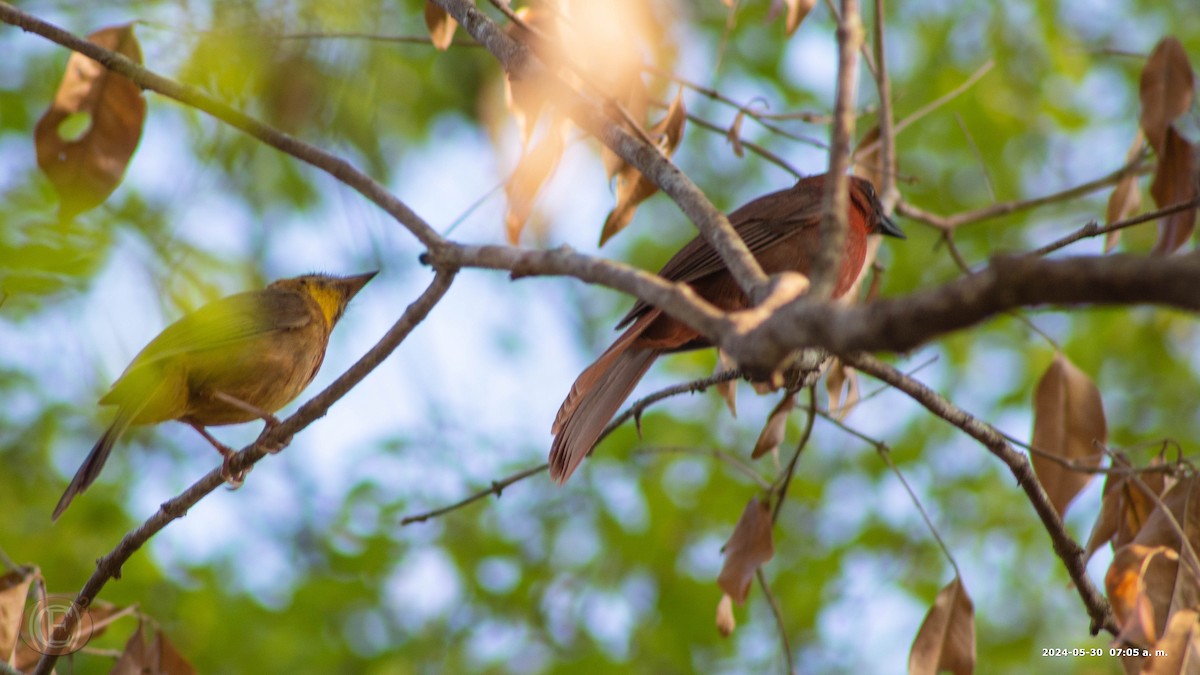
[
  {"x": 526, "y": 99},
  {"x": 727, "y": 389},
  {"x": 946, "y": 639},
  {"x": 749, "y": 547},
  {"x": 1155, "y": 576},
  {"x": 1173, "y": 183},
  {"x": 796, "y": 11},
  {"x": 14, "y": 586},
  {"x": 734, "y": 135},
  {"x": 1126, "y": 198},
  {"x": 1068, "y": 421},
  {"x": 771, "y": 435},
  {"x": 158, "y": 656},
  {"x": 86, "y": 169},
  {"x": 1180, "y": 646},
  {"x": 1125, "y": 506},
  {"x": 531, "y": 173},
  {"x": 1139, "y": 584},
  {"x": 632, "y": 187},
  {"x": 1166, "y": 90},
  {"x": 726, "y": 623},
  {"x": 440, "y": 24},
  {"x": 838, "y": 377}
]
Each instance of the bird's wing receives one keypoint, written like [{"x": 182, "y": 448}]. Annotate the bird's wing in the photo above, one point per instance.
[
  {"x": 759, "y": 223},
  {"x": 228, "y": 321}
]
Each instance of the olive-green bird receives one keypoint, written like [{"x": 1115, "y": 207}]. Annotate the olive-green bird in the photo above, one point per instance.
[{"x": 234, "y": 360}]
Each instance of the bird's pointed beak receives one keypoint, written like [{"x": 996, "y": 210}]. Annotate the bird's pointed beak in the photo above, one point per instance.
[
  {"x": 888, "y": 227},
  {"x": 352, "y": 285}
]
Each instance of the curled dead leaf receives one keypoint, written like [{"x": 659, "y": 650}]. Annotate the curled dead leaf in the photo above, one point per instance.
[
  {"x": 772, "y": 433},
  {"x": 632, "y": 187},
  {"x": 86, "y": 167},
  {"x": 1125, "y": 507},
  {"x": 749, "y": 547},
  {"x": 1174, "y": 181},
  {"x": 157, "y": 656},
  {"x": 440, "y": 24},
  {"x": 1166, "y": 90},
  {"x": 1139, "y": 583},
  {"x": 726, "y": 623},
  {"x": 734, "y": 135},
  {"x": 1068, "y": 422},
  {"x": 946, "y": 639}
]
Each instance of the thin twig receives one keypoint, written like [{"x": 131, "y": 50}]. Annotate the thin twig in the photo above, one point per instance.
[
  {"x": 777, "y": 611},
  {"x": 886, "y": 454},
  {"x": 987, "y": 176},
  {"x": 496, "y": 488},
  {"x": 1067, "y": 549},
  {"x": 887, "y": 131},
  {"x": 785, "y": 478},
  {"x": 633, "y": 410},
  {"x": 736, "y": 463},
  {"x": 1093, "y": 229},
  {"x": 1005, "y": 208},
  {"x": 750, "y": 145}
]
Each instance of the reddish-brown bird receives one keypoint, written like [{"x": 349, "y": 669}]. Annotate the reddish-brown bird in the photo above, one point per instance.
[{"x": 782, "y": 231}]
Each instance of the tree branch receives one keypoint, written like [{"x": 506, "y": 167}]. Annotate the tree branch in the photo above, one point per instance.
[
  {"x": 1067, "y": 549},
  {"x": 900, "y": 324}
]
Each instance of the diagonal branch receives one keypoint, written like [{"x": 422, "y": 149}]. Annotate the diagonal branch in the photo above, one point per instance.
[{"x": 1067, "y": 549}]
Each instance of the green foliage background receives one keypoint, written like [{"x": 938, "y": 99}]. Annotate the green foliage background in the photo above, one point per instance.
[{"x": 616, "y": 571}]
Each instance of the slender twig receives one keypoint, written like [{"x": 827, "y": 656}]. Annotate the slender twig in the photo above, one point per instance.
[
  {"x": 1067, "y": 549},
  {"x": 109, "y": 566},
  {"x": 368, "y": 37},
  {"x": 887, "y": 132},
  {"x": 496, "y": 488},
  {"x": 633, "y": 410},
  {"x": 777, "y": 611},
  {"x": 750, "y": 145},
  {"x": 983, "y": 170},
  {"x": 885, "y": 453},
  {"x": 8, "y": 562},
  {"x": 1005, "y": 208},
  {"x": 785, "y": 478},
  {"x": 1093, "y": 229},
  {"x": 736, "y": 463}
]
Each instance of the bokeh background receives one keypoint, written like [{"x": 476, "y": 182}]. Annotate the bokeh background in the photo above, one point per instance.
[{"x": 307, "y": 569}]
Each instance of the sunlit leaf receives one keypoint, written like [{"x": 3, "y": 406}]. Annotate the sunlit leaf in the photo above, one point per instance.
[
  {"x": 727, "y": 389},
  {"x": 1167, "y": 86},
  {"x": 440, "y": 24},
  {"x": 536, "y": 165},
  {"x": 734, "y": 135},
  {"x": 726, "y": 623},
  {"x": 797, "y": 10},
  {"x": 14, "y": 586},
  {"x": 632, "y": 187},
  {"x": 839, "y": 377},
  {"x": 88, "y": 167},
  {"x": 946, "y": 639},
  {"x": 1068, "y": 422},
  {"x": 1139, "y": 583},
  {"x": 749, "y": 547}
]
